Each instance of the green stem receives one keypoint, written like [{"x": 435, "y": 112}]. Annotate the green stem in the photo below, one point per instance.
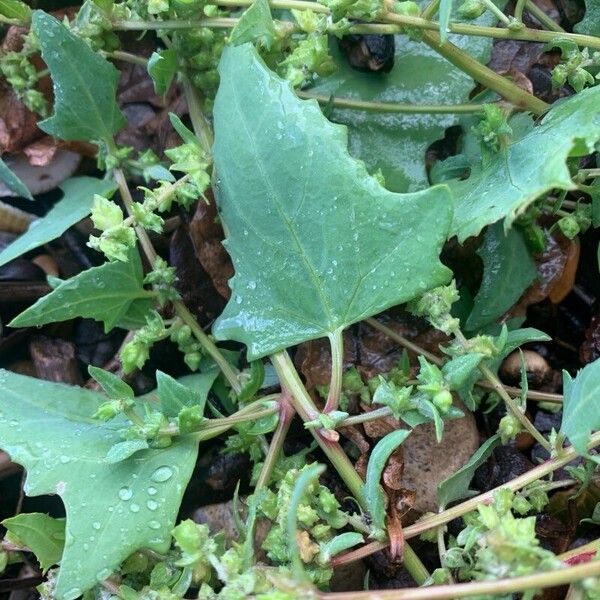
[
  {"x": 372, "y": 415},
  {"x": 230, "y": 373},
  {"x": 497, "y": 12},
  {"x": 423, "y": 525},
  {"x": 174, "y": 24},
  {"x": 485, "y": 76},
  {"x": 286, "y": 414},
  {"x": 589, "y": 173},
  {"x": 127, "y": 57},
  {"x": 391, "y": 107},
  {"x": 199, "y": 123},
  {"x": 336, "y": 341},
  {"x": 302, "y": 402},
  {"x": 518, "y": 12},
  {"x": 535, "y": 11},
  {"x": 477, "y": 588}
]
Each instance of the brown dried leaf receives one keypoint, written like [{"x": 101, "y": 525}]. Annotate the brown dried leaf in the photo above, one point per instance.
[
  {"x": 590, "y": 349},
  {"x": 206, "y": 235},
  {"x": 392, "y": 474}
]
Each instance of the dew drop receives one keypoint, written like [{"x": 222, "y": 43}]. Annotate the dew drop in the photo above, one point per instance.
[
  {"x": 96, "y": 525},
  {"x": 125, "y": 493},
  {"x": 162, "y": 474},
  {"x": 152, "y": 491},
  {"x": 134, "y": 508},
  {"x": 154, "y": 524},
  {"x": 152, "y": 504}
]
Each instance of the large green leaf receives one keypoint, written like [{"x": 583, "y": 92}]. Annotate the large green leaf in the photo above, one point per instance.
[
  {"x": 507, "y": 271},
  {"x": 75, "y": 204},
  {"x": 591, "y": 22},
  {"x": 85, "y": 84},
  {"x": 112, "y": 509},
  {"x": 317, "y": 243},
  {"x": 531, "y": 166},
  {"x": 103, "y": 293},
  {"x": 42, "y": 534},
  {"x": 396, "y": 142},
  {"x": 580, "y": 408}
]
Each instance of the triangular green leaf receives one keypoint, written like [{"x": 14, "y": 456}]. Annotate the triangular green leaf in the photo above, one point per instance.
[
  {"x": 15, "y": 9},
  {"x": 85, "y": 85},
  {"x": 175, "y": 396},
  {"x": 317, "y": 243},
  {"x": 42, "y": 534},
  {"x": 531, "y": 166},
  {"x": 112, "y": 509},
  {"x": 162, "y": 66},
  {"x": 255, "y": 26},
  {"x": 580, "y": 407},
  {"x": 102, "y": 293},
  {"x": 75, "y": 205}
]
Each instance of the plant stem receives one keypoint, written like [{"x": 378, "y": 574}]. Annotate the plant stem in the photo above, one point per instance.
[
  {"x": 286, "y": 414},
  {"x": 482, "y": 74},
  {"x": 126, "y": 57},
  {"x": 199, "y": 123},
  {"x": 535, "y": 11},
  {"x": 497, "y": 12},
  {"x": 305, "y": 407},
  {"x": 518, "y": 12},
  {"x": 477, "y": 588},
  {"x": 390, "y": 107},
  {"x": 181, "y": 309},
  {"x": 406, "y": 343},
  {"x": 467, "y": 506},
  {"x": 336, "y": 341},
  {"x": 174, "y": 24}
]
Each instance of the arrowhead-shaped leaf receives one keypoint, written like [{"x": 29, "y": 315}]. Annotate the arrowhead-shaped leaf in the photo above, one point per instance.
[
  {"x": 112, "y": 509},
  {"x": 317, "y": 243},
  {"x": 85, "y": 84},
  {"x": 529, "y": 167},
  {"x": 103, "y": 293},
  {"x": 75, "y": 205}
]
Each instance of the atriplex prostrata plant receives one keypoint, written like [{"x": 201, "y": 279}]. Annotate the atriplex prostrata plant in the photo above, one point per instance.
[{"x": 318, "y": 244}]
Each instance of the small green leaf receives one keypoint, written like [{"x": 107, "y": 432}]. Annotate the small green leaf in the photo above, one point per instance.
[
  {"x": 102, "y": 293},
  {"x": 458, "y": 371},
  {"x": 85, "y": 106},
  {"x": 76, "y": 204},
  {"x": 255, "y": 26},
  {"x": 580, "y": 406},
  {"x": 15, "y": 9},
  {"x": 41, "y": 533},
  {"x": 123, "y": 450},
  {"x": 114, "y": 387},
  {"x": 12, "y": 182},
  {"x": 338, "y": 544},
  {"x": 162, "y": 66},
  {"x": 189, "y": 137},
  {"x": 529, "y": 167},
  {"x": 374, "y": 494},
  {"x": 174, "y": 396},
  {"x": 317, "y": 243},
  {"x": 508, "y": 270},
  {"x": 456, "y": 486},
  {"x": 112, "y": 509}
]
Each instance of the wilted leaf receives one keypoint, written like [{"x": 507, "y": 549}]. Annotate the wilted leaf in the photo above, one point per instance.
[{"x": 317, "y": 243}]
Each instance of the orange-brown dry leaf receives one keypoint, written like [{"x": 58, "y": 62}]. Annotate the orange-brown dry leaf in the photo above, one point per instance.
[
  {"x": 206, "y": 234},
  {"x": 392, "y": 474},
  {"x": 308, "y": 549},
  {"x": 377, "y": 429},
  {"x": 41, "y": 152}
]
